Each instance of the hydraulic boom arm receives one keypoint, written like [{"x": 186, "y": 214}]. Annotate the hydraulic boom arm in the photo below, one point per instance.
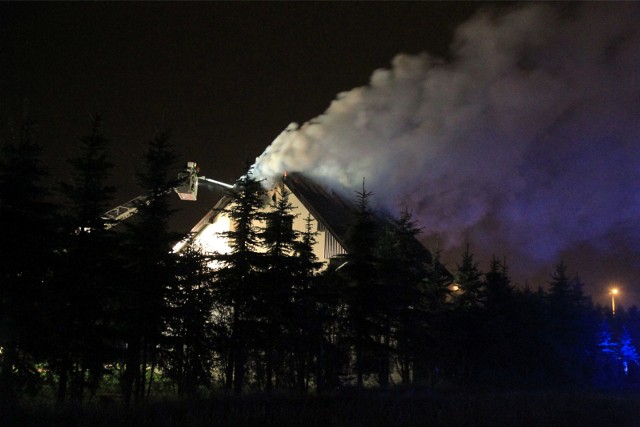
[{"x": 187, "y": 189}]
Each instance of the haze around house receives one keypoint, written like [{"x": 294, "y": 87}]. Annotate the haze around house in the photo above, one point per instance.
[{"x": 523, "y": 144}]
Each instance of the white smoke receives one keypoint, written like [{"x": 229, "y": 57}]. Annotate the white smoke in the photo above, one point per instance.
[{"x": 525, "y": 143}]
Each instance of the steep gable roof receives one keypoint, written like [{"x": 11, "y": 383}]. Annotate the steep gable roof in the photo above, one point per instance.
[
  {"x": 331, "y": 209},
  {"x": 328, "y": 207},
  {"x": 334, "y": 211}
]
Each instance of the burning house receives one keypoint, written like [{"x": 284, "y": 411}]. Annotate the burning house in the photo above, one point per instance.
[{"x": 329, "y": 212}]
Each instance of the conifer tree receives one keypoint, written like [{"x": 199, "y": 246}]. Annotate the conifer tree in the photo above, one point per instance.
[
  {"x": 402, "y": 261},
  {"x": 306, "y": 326},
  {"x": 89, "y": 194},
  {"x": 497, "y": 285},
  {"x": 82, "y": 288},
  {"x": 27, "y": 261},
  {"x": 187, "y": 350},
  {"x": 560, "y": 291},
  {"x": 498, "y": 327},
  {"x": 362, "y": 294},
  {"x": 605, "y": 339},
  {"x": 433, "y": 306},
  {"x": 466, "y": 318},
  {"x": 235, "y": 279},
  {"x": 468, "y": 279},
  {"x": 334, "y": 347},
  {"x": 276, "y": 287},
  {"x": 149, "y": 265},
  {"x": 628, "y": 353},
  {"x": 569, "y": 337}
]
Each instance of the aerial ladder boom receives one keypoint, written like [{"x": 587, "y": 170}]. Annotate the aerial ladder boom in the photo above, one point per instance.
[
  {"x": 124, "y": 211},
  {"x": 187, "y": 189}
]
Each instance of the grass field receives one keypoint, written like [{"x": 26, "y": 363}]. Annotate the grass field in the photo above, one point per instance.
[{"x": 349, "y": 409}]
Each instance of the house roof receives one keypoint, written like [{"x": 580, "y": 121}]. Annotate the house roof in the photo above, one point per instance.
[
  {"x": 333, "y": 210},
  {"x": 328, "y": 207}
]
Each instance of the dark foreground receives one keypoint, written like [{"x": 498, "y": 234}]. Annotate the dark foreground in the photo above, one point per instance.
[{"x": 349, "y": 409}]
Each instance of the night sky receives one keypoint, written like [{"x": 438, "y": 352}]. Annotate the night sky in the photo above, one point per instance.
[
  {"x": 228, "y": 78},
  {"x": 225, "y": 78}
]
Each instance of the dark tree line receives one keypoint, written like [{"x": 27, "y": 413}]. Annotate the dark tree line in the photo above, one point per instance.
[{"x": 85, "y": 308}]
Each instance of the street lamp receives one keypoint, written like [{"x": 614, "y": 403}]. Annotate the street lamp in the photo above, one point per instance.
[{"x": 613, "y": 293}]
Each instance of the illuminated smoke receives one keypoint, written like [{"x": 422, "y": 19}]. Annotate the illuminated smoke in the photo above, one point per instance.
[{"x": 526, "y": 143}]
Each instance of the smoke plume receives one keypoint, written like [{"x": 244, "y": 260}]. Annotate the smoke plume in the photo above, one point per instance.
[{"x": 524, "y": 143}]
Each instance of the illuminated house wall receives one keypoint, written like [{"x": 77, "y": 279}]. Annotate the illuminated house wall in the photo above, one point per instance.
[{"x": 329, "y": 213}]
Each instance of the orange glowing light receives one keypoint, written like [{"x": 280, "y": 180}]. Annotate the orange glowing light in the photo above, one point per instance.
[{"x": 613, "y": 292}]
